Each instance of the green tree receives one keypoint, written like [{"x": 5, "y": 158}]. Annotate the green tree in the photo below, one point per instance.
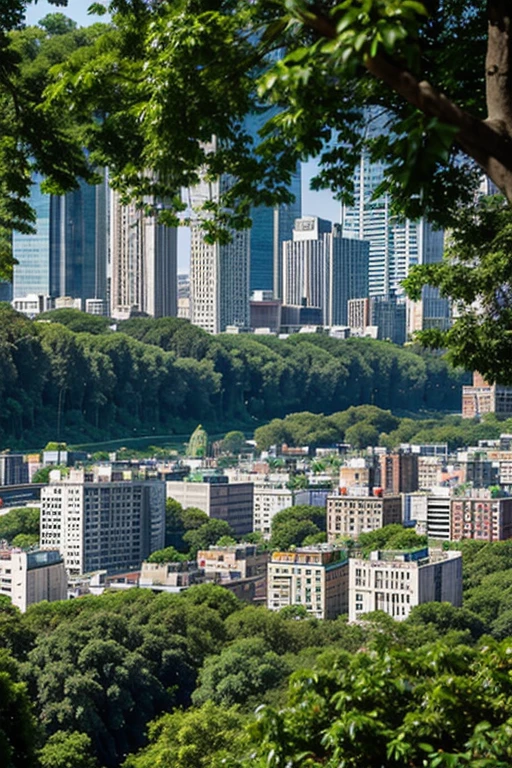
[
  {"x": 18, "y": 729},
  {"x": 204, "y": 737},
  {"x": 233, "y": 442},
  {"x": 362, "y": 434},
  {"x": 64, "y": 749},
  {"x": 242, "y": 670},
  {"x": 22, "y": 521},
  {"x": 436, "y": 706},
  {"x": 207, "y": 534},
  {"x": 167, "y": 555}
]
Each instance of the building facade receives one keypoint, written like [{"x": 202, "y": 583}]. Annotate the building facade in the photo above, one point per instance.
[
  {"x": 68, "y": 253},
  {"x": 13, "y": 469},
  {"x": 101, "y": 525},
  {"x": 313, "y": 577},
  {"x": 482, "y": 398},
  {"x": 481, "y": 517},
  {"x": 232, "y": 502},
  {"x": 143, "y": 263},
  {"x": 351, "y": 515},
  {"x": 399, "y": 472},
  {"x": 394, "y": 582},
  {"x": 27, "y": 578}
]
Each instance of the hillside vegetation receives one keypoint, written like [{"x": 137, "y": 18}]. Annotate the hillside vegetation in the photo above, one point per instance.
[{"x": 71, "y": 374}]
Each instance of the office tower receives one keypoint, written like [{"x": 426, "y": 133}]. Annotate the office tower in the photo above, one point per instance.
[
  {"x": 388, "y": 314},
  {"x": 271, "y": 226},
  {"x": 67, "y": 254},
  {"x": 396, "y": 244},
  {"x": 143, "y": 263},
  {"x": 304, "y": 264},
  {"x": 323, "y": 269},
  {"x": 346, "y": 274},
  {"x": 219, "y": 273},
  {"x": 231, "y": 502},
  {"x": 13, "y": 469},
  {"x": 101, "y": 525},
  {"x": 399, "y": 472}
]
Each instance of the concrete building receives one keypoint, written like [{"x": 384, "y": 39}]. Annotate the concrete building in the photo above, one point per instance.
[
  {"x": 481, "y": 398},
  {"x": 429, "y": 472},
  {"x": 481, "y": 517},
  {"x": 170, "y": 577},
  {"x": 13, "y": 469},
  {"x": 102, "y": 525},
  {"x": 30, "y": 577},
  {"x": 394, "y": 582},
  {"x": 219, "y": 274},
  {"x": 352, "y": 515},
  {"x": 239, "y": 561},
  {"x": 232, "y": 502},
  {"x": 387, "y": 314},
  {"x": 358, "y": 476},
  {"x": 399, "y": 472},
  {"x": 144, "y": 263},
  {"x": 358, "y": 314},
  {"x": 265, "y": 311},
  {"x": 315, "y": 577},
  {"x": 478, "y": 469},
  {"x": 438, "y": 523},
  {"x": 346, "y": 274}
]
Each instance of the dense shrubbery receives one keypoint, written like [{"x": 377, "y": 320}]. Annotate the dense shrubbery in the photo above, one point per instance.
[{"x": 169, "y": 374}]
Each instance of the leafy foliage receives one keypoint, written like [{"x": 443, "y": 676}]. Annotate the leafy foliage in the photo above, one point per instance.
[{"x": 22, "y": 521}]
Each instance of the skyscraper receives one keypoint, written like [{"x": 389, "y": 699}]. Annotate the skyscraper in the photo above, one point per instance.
[
  {"x": 67, "y": 254},
  {"x": 219, "y": 274},
  {"x": 323, "y": 269},
  {"x": 143, "y": 263},
  {"x": 271, "y": 226},
  {"x": 396, "y": 244}
]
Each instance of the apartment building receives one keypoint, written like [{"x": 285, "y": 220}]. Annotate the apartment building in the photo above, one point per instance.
[
  {"x": 29, "y": 577},
  {"x": 394, "y": 582},
  {"x": 483, "y": 398},
  {"x": 353, "y": 515},
  {"x": 399, "y": 472},
  {"x": 239, "y": 561},
  {"x": 232, "y": 502},
  {"x": 170, "y": 577},
  {"x": 102, "y": 525},
  {"x": 481, "y": 517},
  {"x": 315, "y": 577}
]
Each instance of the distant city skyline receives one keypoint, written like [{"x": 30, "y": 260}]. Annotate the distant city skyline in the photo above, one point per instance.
[{"x": 320, "y": 204}]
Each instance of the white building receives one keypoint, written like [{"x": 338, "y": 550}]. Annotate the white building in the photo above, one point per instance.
[
  {"x": 315, "y": 577},
  {"x": 29, "y": 577},
  {"x": 219, "y": 274},
  {"x": 101, "y": 525},
  {"x": 143, "y": 263},
  {"x": 394, "y": 582}
]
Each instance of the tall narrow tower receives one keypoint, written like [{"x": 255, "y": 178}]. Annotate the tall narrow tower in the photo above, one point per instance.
[{"x": 144, "y": 263}]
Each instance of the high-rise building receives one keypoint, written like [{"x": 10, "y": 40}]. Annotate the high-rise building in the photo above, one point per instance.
[
  {"x": 143, "y": 263},
  {"x": 396, "y": 243},
  {"x": 388, "y": 315},
  {"x": 219, "y": 273},
  {"x": 270, "y": 226},
  {"x": 323, "y": 269},
  {"x": 67, "y": 254},
  {"x": 102, "y": 525}
]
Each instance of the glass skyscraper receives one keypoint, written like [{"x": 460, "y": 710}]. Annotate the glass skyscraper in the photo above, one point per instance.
[
  {"x": 67, "y": 254},
  {"x": 271, "y": 227}
]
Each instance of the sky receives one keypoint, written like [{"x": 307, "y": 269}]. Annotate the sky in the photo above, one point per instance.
[{"x": 313, "y": 203}]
